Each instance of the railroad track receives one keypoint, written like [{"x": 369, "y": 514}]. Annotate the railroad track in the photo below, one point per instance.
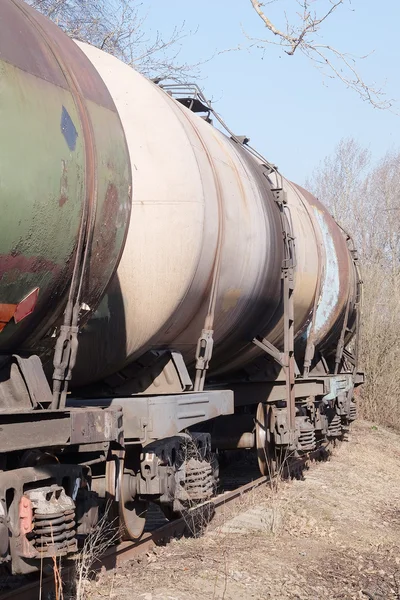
[
  {"x": 162, "y": 531},
  {"x": 116, "y": 555}
]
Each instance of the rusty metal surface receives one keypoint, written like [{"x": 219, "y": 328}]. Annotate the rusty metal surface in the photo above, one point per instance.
[
  {"x": 62, "y": 129},
  {"x": 204, "y": 246},
  {"x": 59, "y": 428},
  {"x": 203, "y": 243},
  {"x": 91, "y": 426},
  {"x": 162, "y": 535},
  {"x": 338, "y": 284},
  {"x": 129, "y": 550},
  {"x": 18, "y": 35},
  {"x": 148, "y": 418}
]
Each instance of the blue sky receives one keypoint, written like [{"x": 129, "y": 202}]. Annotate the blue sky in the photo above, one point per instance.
[{"x": 292, "y": 114}]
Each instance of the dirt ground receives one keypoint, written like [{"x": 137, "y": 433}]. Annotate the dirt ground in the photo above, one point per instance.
[{"x": 335, "y": 535}]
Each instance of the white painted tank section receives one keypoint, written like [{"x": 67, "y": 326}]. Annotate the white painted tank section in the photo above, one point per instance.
[
  {"x": 331, "y": 284},
  {"x": 194, "y": 191}
]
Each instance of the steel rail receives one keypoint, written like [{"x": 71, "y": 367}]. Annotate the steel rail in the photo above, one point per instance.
[
  {"x": 116, "y": 555},
  {"x": 125, "y": 551}
]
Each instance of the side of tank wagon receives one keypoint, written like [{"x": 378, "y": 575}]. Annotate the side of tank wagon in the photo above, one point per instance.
[{"x": 165, "y": 294}]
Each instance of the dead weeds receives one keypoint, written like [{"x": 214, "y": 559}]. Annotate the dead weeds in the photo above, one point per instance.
[{"x": 333, "y": 536}]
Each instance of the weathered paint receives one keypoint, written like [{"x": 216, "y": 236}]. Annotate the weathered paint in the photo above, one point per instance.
[
  {"x": 203, "y": 218},
  {"x": 205, "y": 238},
  {"x": 338, "y": 279},
  {"x": 339, "y": 384},
  {"x": 330, "y": 285},
  {"x": 61, "y": 146},
  {"x": 203, "y": 214},
  {"x": 26, "y": 306}
]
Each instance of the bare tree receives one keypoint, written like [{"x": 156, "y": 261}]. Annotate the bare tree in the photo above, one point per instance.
[
  {"x": 302, "y": 35},
  {"x": 340, "y": 181},
  {"x": 339, "y": 178},
  {"x": 118, "y": 27},
  {"x": 384, "y": 190},
  {"x": 365, "y": 198}
]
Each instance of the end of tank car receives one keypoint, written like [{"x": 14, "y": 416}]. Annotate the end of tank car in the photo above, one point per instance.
[{"x": 165, "y": 294}]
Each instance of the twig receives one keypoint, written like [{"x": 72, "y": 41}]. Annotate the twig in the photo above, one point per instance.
[{"x": 339, "y": 65}]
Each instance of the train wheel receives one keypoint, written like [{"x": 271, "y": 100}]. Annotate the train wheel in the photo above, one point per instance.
[
  {"x": 132, "y": 518},
  {"x": 266, "y": 452},
  {"x": 127, "y": 512}
]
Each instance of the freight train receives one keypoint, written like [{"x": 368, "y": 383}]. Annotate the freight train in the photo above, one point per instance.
[{"x": 165, "y": 295}]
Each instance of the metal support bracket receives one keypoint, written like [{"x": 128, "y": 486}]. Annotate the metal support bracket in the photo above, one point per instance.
[
  {"x": 288, "y": 266},
  {"x": 270, "y": 349},
  {"x": 204, "y": 351},
  {"x": 286, "y": 358}
]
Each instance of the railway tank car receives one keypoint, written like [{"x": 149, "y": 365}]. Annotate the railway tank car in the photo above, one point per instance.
[{"x": 165, "y": 294}]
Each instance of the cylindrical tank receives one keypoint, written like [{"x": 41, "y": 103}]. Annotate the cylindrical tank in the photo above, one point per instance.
[
  {"x": 204, "y": 243},
  {"x": 62, "y": 150},
  {"x": 203, "y": 211}
]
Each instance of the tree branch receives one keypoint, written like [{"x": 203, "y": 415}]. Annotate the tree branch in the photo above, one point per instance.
[
  {"x": 118, "y": 28},
  {"x": 300, "y": 38}
]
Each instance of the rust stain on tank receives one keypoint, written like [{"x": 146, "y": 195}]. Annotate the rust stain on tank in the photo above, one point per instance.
[
  {"x": 108, "y": 218},
  {"x": 104, "y": 242},
  {"x": 64, "y": 184},
  {"x": 32, "y": 31},
  {"x": 40, "y": 251},
  {"x": 25, "y": 264},
  {"x": 230, "y": 299}
]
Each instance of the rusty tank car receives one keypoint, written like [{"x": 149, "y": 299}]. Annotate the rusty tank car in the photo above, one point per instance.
[{"x": 165, "y": 294}]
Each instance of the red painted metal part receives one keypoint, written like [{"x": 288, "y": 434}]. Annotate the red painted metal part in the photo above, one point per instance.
[
  {"x": 26, "y": 306},
  {"x": 6, "y": 314}
]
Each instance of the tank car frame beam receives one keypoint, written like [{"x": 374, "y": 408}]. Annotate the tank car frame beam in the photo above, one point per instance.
[
  {"x": 140, "y": 420},
  {"x": 75, "y": 426},
  {"x": 149, "y": 418},
  {"x": 327, "y": 386}
]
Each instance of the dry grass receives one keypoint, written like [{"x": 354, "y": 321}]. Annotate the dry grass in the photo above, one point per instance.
[
  {"x": 380, "y": 349},
  {"x": 337, "y": 534},
  {"x": 364, "y": 196},
  {"x": 86, "y": 562}
]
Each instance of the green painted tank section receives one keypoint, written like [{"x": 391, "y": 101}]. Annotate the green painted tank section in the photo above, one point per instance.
[{"x": 59, "y": 130}]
